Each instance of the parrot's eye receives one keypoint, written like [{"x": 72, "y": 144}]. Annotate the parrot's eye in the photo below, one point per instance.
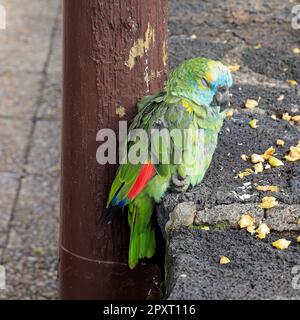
[{"x": 204, "y": 82}]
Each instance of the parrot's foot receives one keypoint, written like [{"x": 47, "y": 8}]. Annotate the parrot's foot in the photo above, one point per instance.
[{"x": 180, "y": 184}]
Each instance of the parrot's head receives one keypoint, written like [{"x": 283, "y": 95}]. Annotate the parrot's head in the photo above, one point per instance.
[{"x": 203, "y": 81}]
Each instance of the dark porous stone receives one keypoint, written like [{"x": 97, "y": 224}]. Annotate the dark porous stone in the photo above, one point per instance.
[{"x": 256, "y": 270}]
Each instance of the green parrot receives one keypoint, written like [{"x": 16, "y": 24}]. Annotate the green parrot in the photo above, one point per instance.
[{"x": 191, "y": 105}]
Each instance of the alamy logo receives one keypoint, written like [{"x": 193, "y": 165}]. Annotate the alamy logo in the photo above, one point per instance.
[
  {"x": 2, "y": 17},
  {"x": 296, "y": 17}
]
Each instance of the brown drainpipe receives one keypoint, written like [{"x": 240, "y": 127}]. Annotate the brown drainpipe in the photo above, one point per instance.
[{"x": 114, "y": 53}]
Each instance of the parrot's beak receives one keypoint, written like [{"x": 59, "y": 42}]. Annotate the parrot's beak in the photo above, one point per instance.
[{"x": 222, "y": 97}]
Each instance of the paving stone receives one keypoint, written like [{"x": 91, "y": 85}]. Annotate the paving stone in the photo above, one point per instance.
[
  {"x": 50, "y": 106},
  {"x": 30, "y": 257},
  {"x": 45, "y": 148},
  {"x": 8, "y": 191},
  {"x": 56, "y": 59},
  {"x": 30, "y": 277},
  {"x": 18, "y": 93},
  {"x": 28, "y": 28},
  {"x": 14, "y": 139}
]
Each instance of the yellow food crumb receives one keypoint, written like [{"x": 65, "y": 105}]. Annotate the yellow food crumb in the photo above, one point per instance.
[
  {"x": 296, "y": 118},
  {"x": 224, "y": 260},
  {"x": 280, "y": 142},
  {"x": 253, "y": 124},
  {"x": 255, "y": 158},
  {"x": 281, "y": 244},
  {"x": 244, "y": 157},
  {"x": 294, "y": 153},
  {"x": 274, "y": 162},
  {"x": 258, "y": 168},
  {"x": 268, "y": 153},
  {"x": 286, "y": 117},
  {"x": 251, "y": 229},
  {"x": 268, "y": 188},
  {"x": 268, "y": 203},
  {"x": 205, "y": 228},
  {"x": 298, "y": 239},
  {"x": 234, "y": 67},
  {"x": 258, "y": 46},
  {"x": 292, "y": 82},
  {"x": 262, "y": 231},
  {"x": 296, "y": 50},
  {"x": 229, "y": 113},
  {"x": 244, "y": 174},
  {"x": 246, "y": 221},
  {"x": 251, "y": 104}
]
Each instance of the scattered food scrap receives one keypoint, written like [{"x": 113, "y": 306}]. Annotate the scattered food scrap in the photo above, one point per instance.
[
  {"x": 258, "y": 46},
  {"x": 234, "y": 67},
  {"x": 268, "y": 188},
  {"x": 280, "y": 142},
  {"x": 246, "y": 221},
  {"x": 298, "y": 239},
  {"x": 274, "y": 162},
  {"x": 245, "y": 173},
  {"x": 256, "y": 158},
  {"x": 224, "y": 260},
  {"x": 268, "y": 153},
  {"x": 251, "y": 229},
  {"x": 251, "y": 104},
  {"x": 262, "y": 231},
  {"x": 229, "y": 113},
  {"x": 292, "y": 82},
  {"x": 294, "y": 153},
  {"x": 296, "y": 118},
  {"x": 253, "y": 124},
  {"x": 205, "y": 228},
  {"x": 286, "y": 117},
  {"x": 281, "y": 244},
  {"x": 268, "y": 203},
  {"x": 258, "y": 168},
  {"x": 296, "y": 50},
  {"x": 244, "y": 157}
]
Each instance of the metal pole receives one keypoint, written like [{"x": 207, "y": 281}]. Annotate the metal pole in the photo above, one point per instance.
[{"x": 114, "y": 53}]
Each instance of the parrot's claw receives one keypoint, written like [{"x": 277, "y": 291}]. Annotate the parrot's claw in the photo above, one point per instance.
[{"x": 179, "y": 184}]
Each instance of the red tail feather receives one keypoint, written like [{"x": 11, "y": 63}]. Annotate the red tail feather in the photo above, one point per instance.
[{"x": 146, "y": 173}]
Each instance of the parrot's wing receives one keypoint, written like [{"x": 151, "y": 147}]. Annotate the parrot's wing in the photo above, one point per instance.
[
  {"x": 125, "y": 177},
  {"x": 132, "y": 178},
  {"x": 169, "y": 149}
]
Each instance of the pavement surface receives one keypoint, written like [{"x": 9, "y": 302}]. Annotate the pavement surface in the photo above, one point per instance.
[
  {"x": 258, "y": 36},
  {"x": 30, "y": 91},
  {"x": 255, "y": 34}
]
